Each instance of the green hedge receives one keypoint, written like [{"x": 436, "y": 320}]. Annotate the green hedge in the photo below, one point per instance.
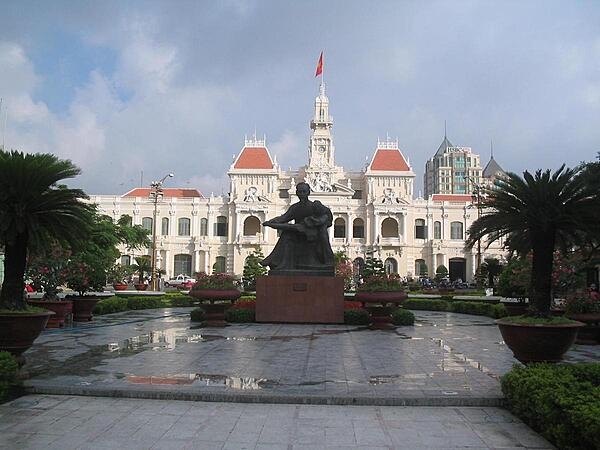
[
  {"x": 198, "y": 315},
  {"x": 357, "y": 316},
  {"x": 121, "y": 303},
  {"x": 401, "y": 316},
  {"x": 240, "y": 315},
  {"x": 425, "y": 304},
  {"x": 9, "y": 376},
  {"x": 478, "y": 308},
  {"x": 562, "y": 402}
]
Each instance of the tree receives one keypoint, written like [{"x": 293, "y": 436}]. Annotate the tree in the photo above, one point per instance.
[
  {"x": 539, "y": 213},
  {"x": 142, "y": 266},
  {"x": 253, "y": 269},
  {"x": 491, "y": 267},
  {"x": 441, "y": 273},
  {"x": 35, "y": 210}
]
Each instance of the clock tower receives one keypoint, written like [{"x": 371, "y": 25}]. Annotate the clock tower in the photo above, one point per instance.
[{"x": 321, "y": 150}]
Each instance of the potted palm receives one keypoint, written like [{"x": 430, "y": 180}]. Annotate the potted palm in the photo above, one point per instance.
[
  {"x": 142, "y": 266},
  {"x": 34, "y": 210},
  {"x": 118, "y": 275},
  {"x": 85, "y": 275},
  {"x": 537, "y": 213}
]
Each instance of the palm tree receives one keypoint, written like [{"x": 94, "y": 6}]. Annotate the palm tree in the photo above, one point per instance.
[
  {"x": 539, "y": 213},
  {"x": 492, "y": 268},
  {"x": 34, "y": 210}
]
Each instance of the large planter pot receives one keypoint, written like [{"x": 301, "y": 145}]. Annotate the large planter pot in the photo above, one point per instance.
[
  {"x": 141, "y": 286},
  {"x": 590, "y": 333},
  {"x": 538, "y": 342},
  {"x": 18, "y": 330},
  {"x": 381, "y": 305},
  {"x": 83, "y": 307},
  {"x": 61, "y": 308},
  {"x": 515, "y": 308},
  {"x": 120, "y": 286},
  {"x": 215, "y": 303}
]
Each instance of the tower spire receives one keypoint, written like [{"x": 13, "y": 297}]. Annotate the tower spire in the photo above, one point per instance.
[{"x": 491, "y": 149}]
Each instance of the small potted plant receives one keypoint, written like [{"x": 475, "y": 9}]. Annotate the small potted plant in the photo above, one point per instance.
[
  {"x": 85, "y": 275},
  {"x": 584, "y": 306},
  {"x": 47, "y": 273},
  {"x": 118, "y": 275},
  {"x": 217, "y": 292}
]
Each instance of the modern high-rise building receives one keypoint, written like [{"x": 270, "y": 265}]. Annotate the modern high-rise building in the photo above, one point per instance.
[
  {"x": 452, "y": 170},
  {"x": 374, "y": 211}
]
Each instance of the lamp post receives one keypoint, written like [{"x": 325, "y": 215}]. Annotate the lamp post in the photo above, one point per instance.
[
  {"x": 156, "y": 194},
  {"x": 476, "y": 196}
]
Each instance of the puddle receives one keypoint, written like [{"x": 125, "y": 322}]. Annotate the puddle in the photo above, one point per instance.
[{"x": 242, "y": 383}]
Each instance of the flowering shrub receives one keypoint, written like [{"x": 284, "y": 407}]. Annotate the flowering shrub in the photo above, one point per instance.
[
  {"x": 214, "y": 281},
  {"x": 381, "y": 283},
  {"x": 352, "y": 305},
  {"x": 244, "y": 303},
  {"x": 85, "y": 274},
  {"x": 581, "y": 302},
  {"x": 48, "y": 273}
]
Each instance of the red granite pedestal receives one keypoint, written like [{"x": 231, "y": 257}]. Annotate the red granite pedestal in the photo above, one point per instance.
[{"x": 300, "y": 299}]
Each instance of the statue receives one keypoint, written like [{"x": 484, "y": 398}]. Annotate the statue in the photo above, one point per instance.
[{"x": 303, "y": 247}]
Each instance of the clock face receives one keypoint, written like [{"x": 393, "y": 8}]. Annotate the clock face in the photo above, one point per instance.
[{"x": 321, "y": 149}]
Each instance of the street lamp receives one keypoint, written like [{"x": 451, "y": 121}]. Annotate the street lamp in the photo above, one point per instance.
[
  {"x": 476, "y": 196},
  {"x": 156, "y": 195}
]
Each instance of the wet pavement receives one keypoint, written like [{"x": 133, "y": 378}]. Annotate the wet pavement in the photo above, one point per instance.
[{"x": 399, "y": 377}]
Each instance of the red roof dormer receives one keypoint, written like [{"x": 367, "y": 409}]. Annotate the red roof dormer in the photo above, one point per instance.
[{"x": 254, "y": 155}]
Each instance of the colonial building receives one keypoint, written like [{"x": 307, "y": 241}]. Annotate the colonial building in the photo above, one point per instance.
[{"x": 374, "y": 210}]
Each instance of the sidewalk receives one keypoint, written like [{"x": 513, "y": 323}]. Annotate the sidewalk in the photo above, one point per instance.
[{"x": 400, "y": 378}]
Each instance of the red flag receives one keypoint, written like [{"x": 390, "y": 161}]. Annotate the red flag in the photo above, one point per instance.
[{"x": 319, "y": 66}]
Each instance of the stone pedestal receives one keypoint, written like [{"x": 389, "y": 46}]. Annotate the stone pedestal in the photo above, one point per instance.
[{"x": 300, "y": 299}]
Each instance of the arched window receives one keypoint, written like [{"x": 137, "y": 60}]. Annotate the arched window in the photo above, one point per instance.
[
  {"x": 182, "y": 264},
  {"x": 389, "y": 228},
  {"x": 421, "y": 268},
  {"x": 437, "y": 229},
  {"x": 221, "y": 226},
  {"x": 164, "y": 226},
  {"x": 339, "y": 228},
  {"x": 251, "y": 226},
  {"x": 456, "y": 230},
  {"x": 204, "y": 226},
  {"x": 358, "y": 228},
  {"x": 220, "y": 265},
  {"x": 391, "y": 266},
  {"x": 420, "y": 229},
  {"x": 183, "y": 226},
  {"x": 147, "y": 223},
  {"x": 125, "y": 260}
]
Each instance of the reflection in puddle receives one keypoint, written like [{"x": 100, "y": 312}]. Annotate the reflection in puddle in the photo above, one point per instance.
[
  {"x": 243, "y": 383},
  {"x": 160, "y": 340}
]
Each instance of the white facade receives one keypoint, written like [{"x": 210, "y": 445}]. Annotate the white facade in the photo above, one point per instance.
[{"x": 374, "y": 211}]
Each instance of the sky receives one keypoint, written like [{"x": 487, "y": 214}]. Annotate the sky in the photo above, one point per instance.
[{"x": 133, "y": 90}]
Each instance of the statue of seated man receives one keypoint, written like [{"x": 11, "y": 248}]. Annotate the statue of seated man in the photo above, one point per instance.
[{"x": 303, "y": 247}]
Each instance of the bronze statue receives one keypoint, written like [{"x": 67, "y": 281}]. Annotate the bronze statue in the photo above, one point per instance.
[{"x": 303, "y": 247}]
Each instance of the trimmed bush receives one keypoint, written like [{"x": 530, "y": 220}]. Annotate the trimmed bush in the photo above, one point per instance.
[
  {"x": 562, "y": 402},
  {"x": 357, "y": 316},
  {"x": 198, "y": 315},
  {"x": 9, "y": 375},
  {"x": 240, "y": 315},
  {"x": 425, "y": 304},
  {"x": 475, "y": 308},
  {"x": 110, "y": 305},
  {"x": 178, "y": 300},
  {"x": 402, "y": 316},
  {"x": 145, "y": 302}
]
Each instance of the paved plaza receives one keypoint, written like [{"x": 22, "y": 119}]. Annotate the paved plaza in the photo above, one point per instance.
[{"x": 151, "y": 379}]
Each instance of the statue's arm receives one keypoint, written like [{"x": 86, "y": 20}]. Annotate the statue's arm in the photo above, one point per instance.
[{"x": 284, "y": 218}]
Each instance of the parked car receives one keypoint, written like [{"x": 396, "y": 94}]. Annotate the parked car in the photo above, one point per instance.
[{"x": 179, "y": 280}]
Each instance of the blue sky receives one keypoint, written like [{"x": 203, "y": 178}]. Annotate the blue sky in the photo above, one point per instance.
[{"x": 133, "y": 90}]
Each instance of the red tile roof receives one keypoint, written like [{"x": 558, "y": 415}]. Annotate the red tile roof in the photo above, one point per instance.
[
  {"x": 392, "y": 160},
  {"x": 167, "y": 192},
  {"x": 452, "y": 198},
  {"x": 253, "y": 158}
]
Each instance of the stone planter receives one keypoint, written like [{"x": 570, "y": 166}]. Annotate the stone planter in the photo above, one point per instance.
[
  {"x": 141, "y": 286},
  {"x": 215, "y": 302},
  {"x": 381, "y": 305},
  {"x": 62, "y": 310},
  {"x": 120, "y": 286},
  {"x": 590, "y": 333},
  {"x": 83, "y": 307},
  {"x": 18, "y": 331},
  {"x": 538, "y": 342}
]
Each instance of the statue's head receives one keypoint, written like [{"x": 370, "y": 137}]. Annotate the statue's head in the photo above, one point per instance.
[{"x": 302, "y": 189}]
